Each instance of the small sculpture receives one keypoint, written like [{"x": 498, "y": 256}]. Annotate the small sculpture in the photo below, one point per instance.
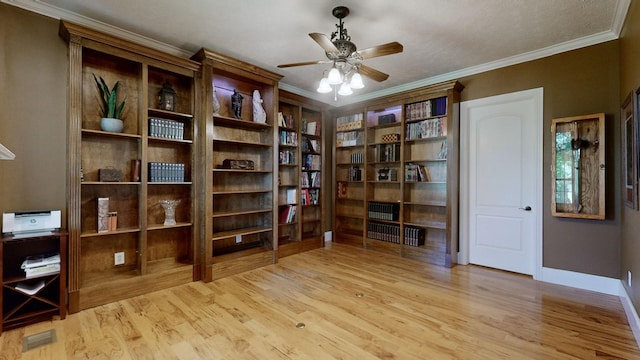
[
  {"x": 236, "y": 104},
  {"x": 259, "y": 115},
  {"x": 216, "y": 103}
]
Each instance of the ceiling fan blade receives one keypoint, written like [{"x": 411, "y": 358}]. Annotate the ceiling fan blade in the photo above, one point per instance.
[
  {"x": 324, "y": 41},
  {"x": 373, "y": 73},
  {"x": 304, "y": 63},
  {"x": 381, "y": 50}
]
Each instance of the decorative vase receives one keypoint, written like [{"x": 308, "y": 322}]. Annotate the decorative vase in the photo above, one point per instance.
[
  {"x": 111, "y": 124},
  {"x": 169, "y": 211}
]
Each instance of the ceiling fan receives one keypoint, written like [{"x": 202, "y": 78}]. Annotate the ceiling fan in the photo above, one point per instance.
[{"x": 343, "y": 53}]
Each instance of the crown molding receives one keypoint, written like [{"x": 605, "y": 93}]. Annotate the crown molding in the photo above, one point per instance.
[
  {"x": 62, "y": 14},
  {"x": 493, "y": 65},
  {"x": 622, "y": 7}
]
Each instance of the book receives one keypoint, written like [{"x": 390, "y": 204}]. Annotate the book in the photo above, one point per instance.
[
  {"x": 42, "y": 270},
  {"x": 342, "y": 189},
  {"x": 281, "y": 119},
  {"x": 135, "y": 170},
  {"x": 30, "y": 288},
  {"x": 287, "y": 214},
  {"x": 40, "y": 260},
  {"x": 291, "y": 196},
  {"x": 103, "y": 214}
]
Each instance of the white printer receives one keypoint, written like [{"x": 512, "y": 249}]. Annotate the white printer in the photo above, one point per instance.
[{"x": 30, "y": 222}]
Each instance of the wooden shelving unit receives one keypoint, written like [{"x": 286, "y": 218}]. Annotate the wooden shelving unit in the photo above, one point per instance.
[
  {"x": 301, "y": 172},
  {"x": 238, "y": 205},
  {"x": 156, "y": 256},
  {"x": 399, "y": 192},
  {"x": 349, "y": 174},
  {"x": 19, "y": 308}
]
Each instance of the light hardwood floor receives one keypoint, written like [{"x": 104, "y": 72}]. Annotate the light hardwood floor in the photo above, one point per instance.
[{"x": 355, "y": 304}]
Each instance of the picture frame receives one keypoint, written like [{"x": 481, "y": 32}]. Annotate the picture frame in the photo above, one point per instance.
[{"x": 629, "y": 137}]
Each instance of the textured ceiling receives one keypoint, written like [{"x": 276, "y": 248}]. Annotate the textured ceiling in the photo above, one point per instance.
[{"x": 442, "y": 39}]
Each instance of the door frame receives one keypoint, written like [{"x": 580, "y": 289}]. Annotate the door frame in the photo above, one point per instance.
[{"x": 537, "y": 95}]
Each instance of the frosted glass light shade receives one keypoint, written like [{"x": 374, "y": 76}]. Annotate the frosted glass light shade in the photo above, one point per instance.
[
  {"x": 345, "y": 89},
  {"x": 334, "y": 76},
  {"x": 356, "y": 81},
  {"x": 6, "y": 154},
  {"x": 324, "y": 86}
]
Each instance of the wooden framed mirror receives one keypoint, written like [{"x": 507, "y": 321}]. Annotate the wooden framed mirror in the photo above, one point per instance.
[{"x": 578, "y": 166}]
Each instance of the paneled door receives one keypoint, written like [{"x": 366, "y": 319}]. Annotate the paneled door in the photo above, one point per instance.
[{"x": 502, "y": 181}]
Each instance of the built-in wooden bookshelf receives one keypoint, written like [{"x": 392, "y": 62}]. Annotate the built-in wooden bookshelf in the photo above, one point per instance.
[
  {"x": 239, "y": 162},
  {"x": 301, "y": 174},
  {"x": 349, "y": 174},
  {"x": 156, "y": 256},
  {"x": 396, "y": 174}
]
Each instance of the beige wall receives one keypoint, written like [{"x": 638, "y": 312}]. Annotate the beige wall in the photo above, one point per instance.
[
  {"x": 630, "y": 81},
  {"x": 33, "y": 125},
  {"x": 33, "y": 89}
]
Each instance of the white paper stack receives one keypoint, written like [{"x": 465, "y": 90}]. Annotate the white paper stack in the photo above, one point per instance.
[{"x": 41, "y": 265}]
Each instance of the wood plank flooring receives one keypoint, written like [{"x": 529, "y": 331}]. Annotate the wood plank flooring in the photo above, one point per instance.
[{"x": 355, "y": 304}]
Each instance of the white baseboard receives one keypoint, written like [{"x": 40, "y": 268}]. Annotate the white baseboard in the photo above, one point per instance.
[
  {"x": 597, "y": 283},
  {"x": 632, "y": 314},
  {"x": 600, "y": 284}
]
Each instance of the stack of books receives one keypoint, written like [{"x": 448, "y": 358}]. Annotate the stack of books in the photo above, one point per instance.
[{"x": 41, "y": 265}]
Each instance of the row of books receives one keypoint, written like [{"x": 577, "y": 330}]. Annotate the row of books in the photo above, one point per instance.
[
  {"x": 39, "y": 265},
  {"x": 166, "y": 172},
  {"x": 287, "y": 157},
  {"x": 357, "y": 158},
  {"x": 311, "y": 127},
  {"x": 425, "y": 109},
  {"x": 310, "y": 145},
  {"x": 414, "y": 236},
  {"x": 286, "y": 120},
  {"x": 384, "y": 211},
  {"x": 166, "y": 129},
  {"x": 308, "y": 127},
  {"x": 310, "y": 196},
  {"x": 416, "y": 172},
  {"x": 287, "y": 214},
  {"x": 288, "y": 138},
  {"x": 427, "y": 129},
  {"x": 311, "y": 162},
  {"x": 388, "y": 152},
  {"x": 355, "y": 173},
  {"x": 311, "y": 179},
  {"x": 349, "y": 138},
  {"x": 385, "y": 232},
  {"x": 349, "y": 122}
]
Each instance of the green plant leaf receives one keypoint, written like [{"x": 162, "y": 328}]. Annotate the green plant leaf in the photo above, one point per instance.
[{"x": 108, "y": 102}]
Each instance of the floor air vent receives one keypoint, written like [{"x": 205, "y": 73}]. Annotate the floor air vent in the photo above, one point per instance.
[{"x": 39, "y": 339}]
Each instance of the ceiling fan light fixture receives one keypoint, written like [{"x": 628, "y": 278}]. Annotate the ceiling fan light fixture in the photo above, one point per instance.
[
  {"x": 334, "y": 77},
  {"x": 345, "y": 89},
  {"x": 356, "y": 81},
  {"x": 324, "y": 86}
]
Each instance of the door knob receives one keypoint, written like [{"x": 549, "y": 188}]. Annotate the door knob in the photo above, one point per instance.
[{"x": 526, "y": 208}]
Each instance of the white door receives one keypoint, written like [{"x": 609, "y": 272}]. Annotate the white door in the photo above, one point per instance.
[{"x": 501, "y": 187}]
